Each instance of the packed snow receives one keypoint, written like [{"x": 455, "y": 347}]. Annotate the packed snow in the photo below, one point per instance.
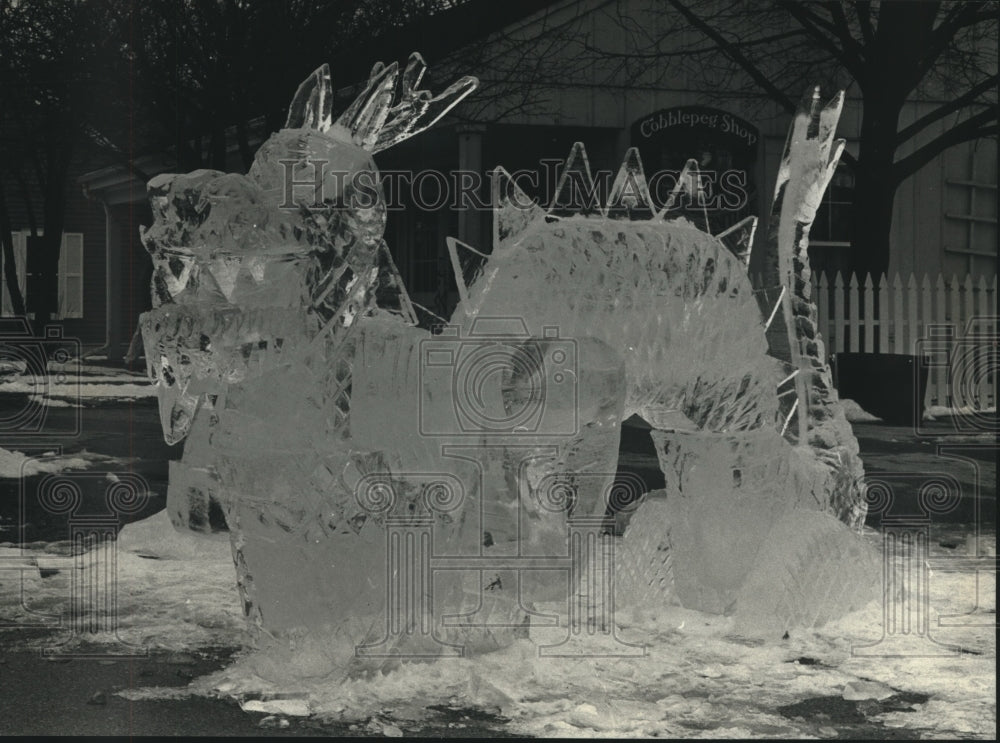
[
  {"x": 855, "y": 413},
  {"x": 933, "y": 412},
  {"x": 697, "y": 679},
  {"x": 67, "y": 383},
  {"x": 14, "y": 464}
]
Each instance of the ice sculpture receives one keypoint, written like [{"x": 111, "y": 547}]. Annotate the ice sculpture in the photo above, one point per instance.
[
  {"x": 702, "y": 364},
  {"x": 322, "y": 422}
]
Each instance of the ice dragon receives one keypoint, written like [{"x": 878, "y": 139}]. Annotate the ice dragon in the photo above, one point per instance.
[{"x": 287, "y": 352}]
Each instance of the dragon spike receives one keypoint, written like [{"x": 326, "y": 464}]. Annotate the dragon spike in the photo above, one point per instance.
[
  {"x": 829, "y": 116},
  {"x": 365, "y": 117},
  {"x": 390, "y": 288},
  {"x": 372, "y": 120},
  {"x": 788, "y": 418},
  {"x": 688, "y": 182},
  {"x": 836, "y": 152},
  {"x": 813, "y": 122},
  {"x": 376, "y": 120},
  {"x": 467, "y": 274},
  {"x": 351, "y": 112},
  {"x": 470, "y": 267},
  {"x": 421, "y": 112},
  {"x": 413, "y": 74},
  {"x": 812, "y": 108},
  {"x": 576, "y": 193},
  {"x": 513, "y": 210},
  {"x": 774, "y": 312},
  {"x": 629, "y": 195},
  {"x": 739, "y": 239},
  {"x": 312, "y": 105},
  {"x": 790, "y": 375}
]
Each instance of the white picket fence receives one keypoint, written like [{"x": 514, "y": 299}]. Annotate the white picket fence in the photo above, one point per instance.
[{"x": 952, "y": 321}]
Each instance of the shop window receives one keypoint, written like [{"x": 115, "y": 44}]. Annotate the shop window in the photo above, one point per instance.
[
  {"x": 832, "y": 226},
  {"x": 70, "y": 276}
]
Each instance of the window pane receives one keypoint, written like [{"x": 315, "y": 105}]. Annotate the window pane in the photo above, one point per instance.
[
  {"x": 73, "y": 299},
  {"x": 840, "y": 222},
  {"x": 71, "y": 257},
  {"x": 820, "y": 229}
]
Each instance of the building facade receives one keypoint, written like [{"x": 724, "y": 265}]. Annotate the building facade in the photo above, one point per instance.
[{"x": 543, "y": 88}]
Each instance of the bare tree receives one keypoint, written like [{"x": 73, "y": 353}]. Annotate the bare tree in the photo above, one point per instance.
[
  {"x": 107, "y": 80},
  {"x": 58, "y": 74},
  {"x": 207, "y": 72},
  {"x": 887, "y": 53}
]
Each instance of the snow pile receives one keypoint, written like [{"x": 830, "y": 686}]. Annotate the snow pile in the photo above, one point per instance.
[
  {"x": 155, "y": 538},
  {"x": 14, "y": 464},
  {"x": 174, "y": 591},
  {"x": 11, "y": 368},
  {"x": 698, "y": 677},
  {"x": 71, "y": 388},
  {"x": 933, "y": 412},
  {"x": 855, "y": 413},
  {"x": 52, "y": 402},
  {"x": 68, "y": 382}
]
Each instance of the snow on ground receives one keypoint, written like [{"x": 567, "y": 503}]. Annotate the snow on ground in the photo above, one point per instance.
[
  {"x": 933, "y": 412},
  {"x": 67, "y": 383},
  {"x": 174, "y": 591},
  {"x": 14, "y": 464},
  {"x": 85, "y": 387},
  {"x": 52, "y": 402},
  {"x": 698, "y": 679},
  {"x": 855, "y": 413}
]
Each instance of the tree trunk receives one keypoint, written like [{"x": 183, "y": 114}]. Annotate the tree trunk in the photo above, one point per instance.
[
  {"x": 44, "y": 298},
  {"x": 9, "y": 263},
  {"x": 874, "y": 186},
  {"x": 871, "y": 217},
  {"x": 44, "y": 292}
]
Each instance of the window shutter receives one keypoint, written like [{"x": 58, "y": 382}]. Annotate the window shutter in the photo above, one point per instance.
[
  {"x": 19, "y": 261},
  {"x": 71, "y": 276},
  {"x": 6, "y": 310}
]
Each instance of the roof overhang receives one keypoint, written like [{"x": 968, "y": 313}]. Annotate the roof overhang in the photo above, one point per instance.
[{"x": 118, "y": 184}]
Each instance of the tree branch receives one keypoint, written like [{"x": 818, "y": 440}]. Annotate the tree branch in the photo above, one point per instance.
[
  {"x": 9, "y": 261},
  {"x": 973, "y": 127},
  {"x": 815, "y": 25},
  {"x": 732, "y": 51},
  {"x": 843, "y": 29},
  {"x": 948, "y": 108},
  {"x": 966, "y": 14},
  {"x": 864, "y": 10},
  {"x": 606, "y": 54}
]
